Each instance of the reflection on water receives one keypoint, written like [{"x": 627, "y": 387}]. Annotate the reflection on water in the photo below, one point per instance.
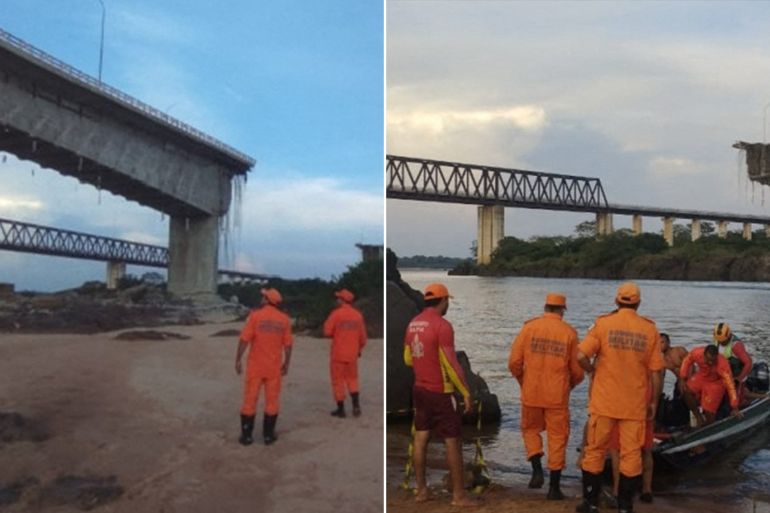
[{"x": 488, "y": 312}]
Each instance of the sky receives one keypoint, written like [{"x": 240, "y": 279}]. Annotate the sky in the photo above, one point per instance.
[
  {"x": 297, "y": 85},
  {"x": 647, "y": 96}
]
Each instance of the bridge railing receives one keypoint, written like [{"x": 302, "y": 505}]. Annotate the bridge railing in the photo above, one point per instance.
[
  {"x": 76, "y": 75},
  {"x": 433, "y": 180}
]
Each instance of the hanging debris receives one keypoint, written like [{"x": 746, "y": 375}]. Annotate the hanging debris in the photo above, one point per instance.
[{"x": 757, "y": 155}]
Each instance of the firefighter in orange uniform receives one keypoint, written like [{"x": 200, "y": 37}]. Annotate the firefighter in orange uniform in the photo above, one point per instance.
[
  {"x": 629, "y": 356},
  {"x": 346, "y": 327},
  {"x": 543, "y": 359},
  {"x": 710, "y": 383},
  {"x": 267, "y": 334}
]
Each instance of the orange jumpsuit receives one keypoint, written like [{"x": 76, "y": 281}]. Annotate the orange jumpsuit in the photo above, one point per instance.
[
  {"x": 710, "y": 382},
  {"x": 268, "y": 332},
  {"x": 628, "y": 349},
  {"x": 346, "y": 327},
  {"x": 543, "y": 359}
]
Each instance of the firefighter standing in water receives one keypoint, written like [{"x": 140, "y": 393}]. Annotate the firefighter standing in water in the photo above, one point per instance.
[
  {"x": 267, "y": 334},
  {"x": 429, "y": 350},
  {"x": 628, "y": 350},
  {"x": 346, "y": 327},
  {"x": 543, "y": 359}
]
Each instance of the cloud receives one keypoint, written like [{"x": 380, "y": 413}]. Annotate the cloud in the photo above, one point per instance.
[
  {"x": 673, "y": 166},
  {"x": 525, "y": 117},
  {"x": 18, "y": 206},
  {"x": 308, "y": 203}
]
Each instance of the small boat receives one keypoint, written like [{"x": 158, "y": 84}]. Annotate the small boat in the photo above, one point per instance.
[{"x": 688, "y": 447}]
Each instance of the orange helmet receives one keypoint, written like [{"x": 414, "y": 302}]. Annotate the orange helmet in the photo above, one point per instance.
[{"x": 722, "y": 332}]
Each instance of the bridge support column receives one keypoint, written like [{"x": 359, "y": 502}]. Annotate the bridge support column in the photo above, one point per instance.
[
  {"x": 491, "y": 231},
  {"x": 695, "y": 230},
  {"x": 636, "y": 224},
  {"x": 668, "y": 230},
  {"x": 722, "y": 229},
  {"x": 767, "y": 231},
  {"x": 115, "y": 271},
  {"x": 192, "y": 253},
  {"x": 747, "y": 231},
  {"x": 603, "y": 224}
]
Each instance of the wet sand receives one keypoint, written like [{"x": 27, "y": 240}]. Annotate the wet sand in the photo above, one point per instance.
[
  {"x": 157, "y": 423},
  {"x": 516, "y": 499}
]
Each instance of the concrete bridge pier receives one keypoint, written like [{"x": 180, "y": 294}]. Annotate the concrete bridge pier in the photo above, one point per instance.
[
  {"x": 115, "y": 271},
  {"x": 695, "y": 233},
  {"x": 491, "y": 230},
  {"x": 722, "y": 229},
  {"x": 193, "y": 253},
  {"x": 747, "y": 231},
  {"x": 603, "y": 224},
  {"x": 668, "y": 230},
  {"x": 767, "y": 231},
  {"x": 636, "y": 224}
]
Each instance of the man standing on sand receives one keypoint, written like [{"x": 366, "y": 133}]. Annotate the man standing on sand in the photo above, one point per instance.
[
  {"x": 429, "y": 350},
  {"x": 267, "y": 334},
  {"x": 629, "y": 356},
  {"x": 543, "y": 360},
  {"x": 346, "y": 327}
]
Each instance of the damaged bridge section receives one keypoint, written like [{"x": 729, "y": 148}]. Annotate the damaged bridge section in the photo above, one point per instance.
[{"x": 63, "y": 119}]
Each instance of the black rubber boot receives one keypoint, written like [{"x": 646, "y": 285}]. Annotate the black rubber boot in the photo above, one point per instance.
[
  {"x": 268, "y": 429},
  {"x": 537, "y": 472},
  {"x": 592, "y": 488},
  {"x": 627, "y": 486},
  {"x": 247, "y": 429},
  {"x": 340, "y": 411},
  {"x": 554, "y": 491},
  {"x": 356, "y": 405}
]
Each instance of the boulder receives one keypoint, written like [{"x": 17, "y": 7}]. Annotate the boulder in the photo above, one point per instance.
[{"x": 403, "y": 303}]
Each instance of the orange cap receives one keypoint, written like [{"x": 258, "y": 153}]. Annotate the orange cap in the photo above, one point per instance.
[
  {"x": 554, "y": 299},
  {"x": 435, "y": 291},
  {"x": 272, "y": 296},
  {"x": 628, "y": 294},
  {"x": 345, "y": 295}
]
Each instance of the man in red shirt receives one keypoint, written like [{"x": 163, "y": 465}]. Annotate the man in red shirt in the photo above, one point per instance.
[
  {"x": 267, "y": 334},
  {"x": 346, "y": 327},
  {"x": 429, "y": 350},
  {"x": 710, "y": 382}
]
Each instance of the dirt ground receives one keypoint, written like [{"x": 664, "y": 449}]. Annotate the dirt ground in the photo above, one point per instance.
[
  {"x": 89, "y": 421},
  {"x": 518, "y": 499}
]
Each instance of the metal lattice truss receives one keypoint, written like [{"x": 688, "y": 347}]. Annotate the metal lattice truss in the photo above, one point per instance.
[
  {"x": 44, "y": 240},
  {"x": 432, "y": 180}
]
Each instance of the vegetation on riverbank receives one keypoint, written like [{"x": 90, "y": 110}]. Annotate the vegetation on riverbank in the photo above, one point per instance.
[
  {"x": 429, "y": 262},
  {"x": 622, "y": 255},
  {"x": 310, "y": 300}
]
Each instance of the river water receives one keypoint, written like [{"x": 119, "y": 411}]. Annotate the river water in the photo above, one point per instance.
[{"x": 487, "y": 313}]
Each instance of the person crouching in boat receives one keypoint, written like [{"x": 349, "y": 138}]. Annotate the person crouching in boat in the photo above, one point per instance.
[{"x": 709, "y": 383}]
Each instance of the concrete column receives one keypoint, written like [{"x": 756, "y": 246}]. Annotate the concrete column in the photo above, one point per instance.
[
  {"x": 668, "y": 230},
  {"x": 603, "y": 224},
  {"x": 193, "y": 253},
  {"x": 695, "y": 230},
  {"x": 722, "y": 229},
  {"x": 747, "y": 231},
  {"x": 491, "y": 231},
  {"x": 767, "y": 231},
  {"x": 115, "y": 271},
  {"x": 636, "y": 224}
]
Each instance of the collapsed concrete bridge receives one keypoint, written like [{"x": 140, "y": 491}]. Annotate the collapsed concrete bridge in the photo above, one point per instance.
[{"x": 63, "y": 119}]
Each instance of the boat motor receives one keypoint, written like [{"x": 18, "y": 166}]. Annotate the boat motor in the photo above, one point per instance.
[{"x": 759, "y": 378}]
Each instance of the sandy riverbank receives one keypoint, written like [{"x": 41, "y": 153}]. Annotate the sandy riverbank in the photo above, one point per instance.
[{"x": 153, "y": 425}]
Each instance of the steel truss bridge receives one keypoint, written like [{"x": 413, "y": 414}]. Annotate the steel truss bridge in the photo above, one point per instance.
[
  {"x": 450, "y": 182},
  {"x": 45, "y": 240}
]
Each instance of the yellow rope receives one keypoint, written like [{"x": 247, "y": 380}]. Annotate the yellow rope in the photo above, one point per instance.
[
  {"x": 478, "y": 460},
  {"x": 409, "y": 467}
]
